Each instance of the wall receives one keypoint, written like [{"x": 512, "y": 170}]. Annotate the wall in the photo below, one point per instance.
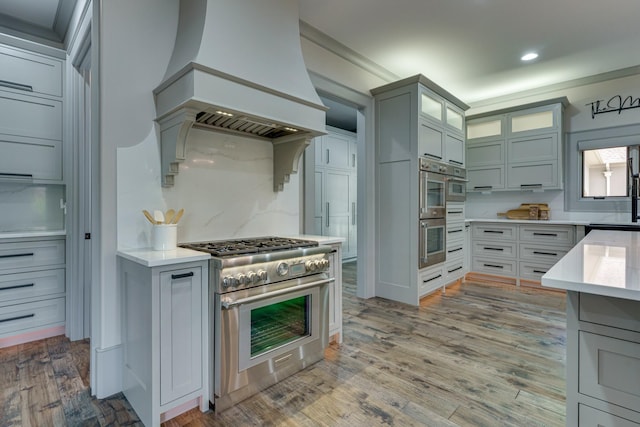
[{"x": 578, "y": 117}]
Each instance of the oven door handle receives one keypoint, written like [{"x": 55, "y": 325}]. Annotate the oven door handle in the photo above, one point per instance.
[
  {"x": 230, "y": 304},
  {"x": 453, "y": 178}
]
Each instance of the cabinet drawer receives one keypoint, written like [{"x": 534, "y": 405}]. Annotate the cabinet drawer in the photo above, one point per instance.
[
  {"x": 430, "y": 279},
  {"x": 495, "y": 231},
  {"x": 30, "y": 72},
  {"x": 32, "y": 284},
  {"x": 548, "y": 254},
  {"x": 455, "y": 212},
  {"x": 33, "y": 315},
  {"x": 30, "y": 116},
  {"x": 497, "y": 249},
  {"x": 554, "y": 234},
  {"x": 455, "y": 251},
  {"x": 591, "y": 417},
  {"x": 453, "y": 270},
  {"x": 609, "y": 369},
  {"x": 533, "y": 270},
  {"x": 31, "y": 254},
  {"x": 499, "y": 267},
  {"x": 455, "y": 232},
  {"x": 33, "y": 157},
  {"x": 616, "y": 312},
  {"x": 523, "y": 176}
]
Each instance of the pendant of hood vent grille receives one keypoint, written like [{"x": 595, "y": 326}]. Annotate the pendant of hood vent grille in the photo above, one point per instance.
[{"x": 242, "y": 125}]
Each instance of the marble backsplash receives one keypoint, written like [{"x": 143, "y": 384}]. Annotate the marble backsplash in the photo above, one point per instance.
[
  {"x": 31, "y": 207},
  {"x": 225, "y": 186}
]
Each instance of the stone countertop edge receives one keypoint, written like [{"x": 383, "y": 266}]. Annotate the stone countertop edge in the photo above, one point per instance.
[
  {"x": 533, "y": 221},
  {"x": 617, "y": 278},
  {"x": 322, "y": 240},
  {"x": 152, "y": 258}
]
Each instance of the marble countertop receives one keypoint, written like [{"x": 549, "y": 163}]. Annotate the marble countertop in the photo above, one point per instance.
[
  {"x": 604, "y": 263},
  {"x": 150, "y": 258},
  {"x": 322, "y": 240},
  {"x": 531, "y": 221}
]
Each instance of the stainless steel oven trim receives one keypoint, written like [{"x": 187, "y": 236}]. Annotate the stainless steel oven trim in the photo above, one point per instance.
[
  {"x": 428, "y": 211},
  {"x": 227, "y": 304},
  {"x": 425, "y": 259}
]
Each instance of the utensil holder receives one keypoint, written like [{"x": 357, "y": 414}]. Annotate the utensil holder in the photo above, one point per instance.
[{"x": 164, "y": 236}]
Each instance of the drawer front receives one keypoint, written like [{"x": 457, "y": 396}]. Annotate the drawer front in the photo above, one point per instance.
[
  {"x": 455, "y": 251},
  {"x": 453, "y": 270},
  {"x": 455, "y": 233},
  {"x": 31, "y": 285},
  {"x": 533, "y": 270},
  {"x": 30, "y": 116},
  {"x": 495, "y": 231},
  {"x": 608, "y": 369},
  {"x": 591, "y": 417},
  {"x": 616, "y": 312},
  {"x": 30, "y": 72},
  {"x": 34, "y": 315},
  {"x": 31, "y": 254},
  {"x": 39, "y": 158},
  {"x": 499, "y": 267},
  {"x": 532, "y": 149},
  {"x": 548, "y": 254},
  {"x": 430, "y": 278},
  {"x": 455, "y": 212},
  {"x": 554, "y": 234},
  {"x": 495, "y": 249}
]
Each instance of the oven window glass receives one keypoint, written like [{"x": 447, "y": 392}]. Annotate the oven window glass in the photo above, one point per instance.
[
  {"x": 280, "y": 323},
  {"x": 435, "y": 240},
  {"x": 456, "y": 188},
  {"x": 435, "y": 193}
]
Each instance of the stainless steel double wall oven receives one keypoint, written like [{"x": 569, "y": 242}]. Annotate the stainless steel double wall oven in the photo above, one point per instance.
[
  {"x": 270, "y": 309},
  {"x": 438, "y": 183}
]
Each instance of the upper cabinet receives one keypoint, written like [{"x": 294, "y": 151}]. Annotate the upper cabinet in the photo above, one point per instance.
[
  {"x": 516, "y": 149},
  {"x": 31, "y": 87}
]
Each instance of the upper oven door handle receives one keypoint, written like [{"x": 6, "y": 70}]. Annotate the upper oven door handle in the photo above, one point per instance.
[
  {"x": 454, "y": 178},
  {"x": 230, "y": 304}
]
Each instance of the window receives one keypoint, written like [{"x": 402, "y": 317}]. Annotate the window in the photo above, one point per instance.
[
  {"x": 596, "y": 169},
  {"x": 605, "y": 172}
]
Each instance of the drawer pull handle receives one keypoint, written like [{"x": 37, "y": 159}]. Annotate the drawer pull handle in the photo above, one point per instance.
[
  {"x": 493, "y": 231},
  {"x": 539, "y": 271},
  {"x": 494, "y": 265},
  {"x": 454, "y": 231},
  {"x": 545, "y": 234},
  {"x": 27, "y": 285},
  {"x": 14, "y": 85},
  {"x": 486, "y": 248},
  {"x": 483, "y": 187},
  {"x": 9, "y": 319},
  {"x": 456, "y": 162},
  {"x": 181, "y": 276},
  {"x": 432, "y": 279},
  {"x": 454, "y": 250},
  {"x": 530, "y": 185},
  {"x": 16, "y": 255},
  {"x": 16, "y": 175},
  {"x": 455, "y": 269},
  {"x": 454, "y": 212},
  {"x": 433, "y": 155},
  {"x": 545, "y": 253}
]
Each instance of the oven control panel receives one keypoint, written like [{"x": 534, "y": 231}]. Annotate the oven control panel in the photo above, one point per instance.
[{"x": 269, "y": 272}]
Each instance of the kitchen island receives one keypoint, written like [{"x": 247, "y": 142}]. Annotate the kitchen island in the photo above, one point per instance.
[{"x": 601, "y": 275}]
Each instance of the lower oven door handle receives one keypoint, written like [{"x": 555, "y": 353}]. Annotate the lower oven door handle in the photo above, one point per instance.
[{"x": 230, "y": 304}]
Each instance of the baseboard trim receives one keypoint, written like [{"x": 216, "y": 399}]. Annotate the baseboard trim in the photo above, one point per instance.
[{"x": 108, "y": 368}]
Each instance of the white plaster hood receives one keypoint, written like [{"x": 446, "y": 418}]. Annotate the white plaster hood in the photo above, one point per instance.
[{"x": 238, "y": 57}]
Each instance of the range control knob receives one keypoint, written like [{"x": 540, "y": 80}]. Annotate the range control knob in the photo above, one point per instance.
[
  {"x": 252, "y": 277},
  {"x": 282, "y": 269},
  {"x": 262, "y": 275},
  {"x": 242, "y": 279},
  {"x": 310, "y": 266},
  {"x": 229, "y": 281},
  {"x": 325, "y": 263}
]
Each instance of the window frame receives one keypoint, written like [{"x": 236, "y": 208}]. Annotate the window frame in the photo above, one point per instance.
[{"x": 590, "y": 139}]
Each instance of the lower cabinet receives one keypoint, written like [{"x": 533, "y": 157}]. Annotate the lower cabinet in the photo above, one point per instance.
[
  {"x": 335, "y": 293},
  {"x": 165, "y": 333},
  {"x": 603, "y": 361}
]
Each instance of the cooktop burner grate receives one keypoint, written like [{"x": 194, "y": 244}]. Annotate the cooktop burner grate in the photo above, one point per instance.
[{"x": 224, "y": 248}]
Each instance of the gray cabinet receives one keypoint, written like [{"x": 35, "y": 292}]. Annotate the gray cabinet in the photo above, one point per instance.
[
  {"x": 603, "y": 361},
  {"x": 31, "y": 116},
  {"x": 454, "y": 266},
  {"x": 516, "y": 149},
  {"x": 165, "y": 335},
  {"x": 414, "y": 118},
  {"x": 32, "y": 287},
  {"x": 335, "y": 293}
]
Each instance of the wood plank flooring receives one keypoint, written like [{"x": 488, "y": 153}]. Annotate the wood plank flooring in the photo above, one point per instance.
[{"x": 479, "y": 355}]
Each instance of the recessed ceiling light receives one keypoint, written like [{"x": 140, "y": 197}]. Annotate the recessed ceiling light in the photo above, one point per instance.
[{"x": 529, "y": 56}]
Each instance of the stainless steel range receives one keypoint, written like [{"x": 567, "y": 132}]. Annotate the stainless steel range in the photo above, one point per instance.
[{"x": 270, "y": 308}]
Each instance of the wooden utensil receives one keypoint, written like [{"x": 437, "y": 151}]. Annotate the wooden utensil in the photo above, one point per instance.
[
  {"x": 177, "y": 217},
  {"x": 149, "y": 217},
  {"x": 169, "y": 216},
  {"x": 158, "y": 216}
]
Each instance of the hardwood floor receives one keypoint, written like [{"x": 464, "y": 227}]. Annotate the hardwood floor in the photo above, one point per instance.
[{"x": 480, "y": 355}]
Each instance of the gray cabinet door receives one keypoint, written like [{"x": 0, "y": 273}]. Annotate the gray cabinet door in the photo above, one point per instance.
[
  {"x": 30, "y": 72},
  {"x": 31, "y": 158},
  {"x": 485, "y": 178},
  {"x": 30, "y": 116},
  {"x": 454, "y": 149},
  {"x": 430, "y": 140},
  {"x": 180, "y": 333},
  {"x": 527, "y": 176}
]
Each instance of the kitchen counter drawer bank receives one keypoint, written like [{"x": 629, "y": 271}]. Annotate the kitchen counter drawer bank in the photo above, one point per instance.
[{"x": 601, "y": 275}]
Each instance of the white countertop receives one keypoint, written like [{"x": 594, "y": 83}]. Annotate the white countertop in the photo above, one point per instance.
[
  {"x": 150, "y": 258},
  {"x": 531, "y": 221},
  {"x": 322, "y": 240},
  {"x": 603, "y": 263},
  {"x": 29, "y": 234}
]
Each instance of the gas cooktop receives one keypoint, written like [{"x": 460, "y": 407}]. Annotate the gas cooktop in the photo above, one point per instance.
[{"x": 245, "y": 246}]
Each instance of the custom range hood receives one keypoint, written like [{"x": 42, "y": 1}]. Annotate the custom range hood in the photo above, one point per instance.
[{"x": 237, "y": 67}]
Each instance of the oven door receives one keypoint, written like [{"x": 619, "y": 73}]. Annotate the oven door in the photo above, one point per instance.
[
  {"x": 267, "y": 333},
  {"x": 456, "y": 189},
  {"x": 432, "y": 241},
  {"x": 432, "y": 195}
]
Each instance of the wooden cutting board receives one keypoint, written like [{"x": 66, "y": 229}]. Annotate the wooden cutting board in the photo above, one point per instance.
[{"x": 515, "y": 214}]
